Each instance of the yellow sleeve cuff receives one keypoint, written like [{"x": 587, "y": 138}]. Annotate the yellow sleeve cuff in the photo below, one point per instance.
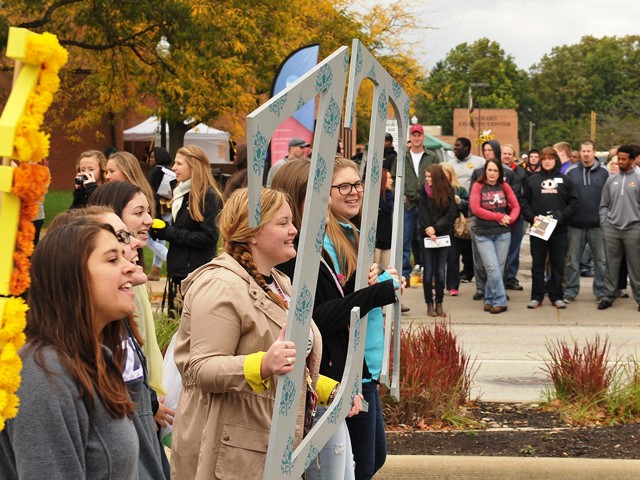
[
  {"x": 324, "y": 387},
  {"x": 252, "y": 364}
]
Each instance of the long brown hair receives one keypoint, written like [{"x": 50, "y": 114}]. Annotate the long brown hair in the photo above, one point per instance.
[
  {"x": 345, "y": 246},
  {"x": 82, "y": 216},
  {"x": 61, "y": 316},
  {"x": 292, "y": 178},
  {"x": 233, "y": 223},
  {"x": 201, "y": 180},
  {"x": 115, "y": 195},
  {"x": 442, "y": 191}
]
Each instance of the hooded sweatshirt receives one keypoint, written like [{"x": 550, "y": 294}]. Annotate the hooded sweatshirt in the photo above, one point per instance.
[
  {"x": 589, "y": 182},
  {"x": 495, "y": 146},
  {"x": 620, "y": 205},
  {"x": 550, "y": 193}
]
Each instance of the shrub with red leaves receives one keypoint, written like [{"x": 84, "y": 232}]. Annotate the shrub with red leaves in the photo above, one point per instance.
[{"x": 435, "y": 377}]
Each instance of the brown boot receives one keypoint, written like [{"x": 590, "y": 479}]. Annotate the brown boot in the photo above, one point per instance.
[
  {"x": 439, "y": 310},
  {"x": 430, "y": 310},
  {"x": 154, "y": 274}
]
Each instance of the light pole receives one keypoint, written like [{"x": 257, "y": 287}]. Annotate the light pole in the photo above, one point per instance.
[
  {"x": 531, "y": 125},
  {"x": 163, "y": 49},
  {"x": 471, "y": 87}
]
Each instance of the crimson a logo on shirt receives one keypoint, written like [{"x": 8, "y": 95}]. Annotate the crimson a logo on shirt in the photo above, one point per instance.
[{"x": 549, "y": 186}]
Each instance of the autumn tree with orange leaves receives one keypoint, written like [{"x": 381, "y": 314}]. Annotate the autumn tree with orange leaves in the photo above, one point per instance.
[{"x": 223, "y": 55}]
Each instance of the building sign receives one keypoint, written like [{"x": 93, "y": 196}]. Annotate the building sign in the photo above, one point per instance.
[{"x": 502, "y": 123}]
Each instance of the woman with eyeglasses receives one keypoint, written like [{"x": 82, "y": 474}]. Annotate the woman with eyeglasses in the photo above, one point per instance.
[
  {"x": 74, "y": 419},
  {"x": 131, "y": 205},
  {"x": 332, "y": 314},
  {"x": 341, "y": 245},
  {"x": 135, "y": 372}
]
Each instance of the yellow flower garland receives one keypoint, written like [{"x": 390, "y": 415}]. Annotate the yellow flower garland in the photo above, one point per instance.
[
  {"x": 30, "y": 183},
  {"x": 12, "y": 338},
  {"x": 30, "y": 143}
]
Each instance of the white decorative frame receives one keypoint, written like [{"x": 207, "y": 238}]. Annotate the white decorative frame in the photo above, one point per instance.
[
  {"x": 327, "y": 80},
  {"x": 386, "y": 90}
]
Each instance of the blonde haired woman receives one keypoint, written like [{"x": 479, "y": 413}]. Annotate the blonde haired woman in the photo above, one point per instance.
[
  {"x": 193, "y": 236},
  {"x": 230, "y": 348},
  {"x": 125, "y": 167},
  {"x": 458, "y": 245}
]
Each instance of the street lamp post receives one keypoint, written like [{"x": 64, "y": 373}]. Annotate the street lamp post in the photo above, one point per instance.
[
  {"x": 471, "y": 87},
  {"x": 531, "y": 125},
  {"x": 163, "y": 49}
]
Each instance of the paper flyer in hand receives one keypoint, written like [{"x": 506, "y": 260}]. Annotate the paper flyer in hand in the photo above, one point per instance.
[
  {"x": 439, "y": 242},
  {"x": 543, "y": 227}
]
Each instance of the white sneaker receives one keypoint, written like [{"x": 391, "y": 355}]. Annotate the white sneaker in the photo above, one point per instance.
[
  {"x": 416, "y": 270},
  {"x": 559, "y": 304},
  {"x": 534, "y": 304}
]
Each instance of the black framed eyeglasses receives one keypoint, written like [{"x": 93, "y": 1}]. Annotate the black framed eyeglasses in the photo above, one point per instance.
[
  {"x": 347, "y": 188},
  {"x": 125, "y": 236}
]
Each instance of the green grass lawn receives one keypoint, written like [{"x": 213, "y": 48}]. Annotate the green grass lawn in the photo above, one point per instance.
[{"x": 55, "y": 202}]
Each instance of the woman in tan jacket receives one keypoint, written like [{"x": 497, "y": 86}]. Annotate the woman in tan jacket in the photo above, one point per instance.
[{"x": 230, "y": 348}]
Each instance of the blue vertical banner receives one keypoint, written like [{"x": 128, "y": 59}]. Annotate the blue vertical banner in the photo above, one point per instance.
[{"x": 301, "y": 123}]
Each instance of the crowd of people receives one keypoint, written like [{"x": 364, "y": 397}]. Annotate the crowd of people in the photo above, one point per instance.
[
  {"x": 92, "y": 380},
  {"x": 593, "y": 207}
]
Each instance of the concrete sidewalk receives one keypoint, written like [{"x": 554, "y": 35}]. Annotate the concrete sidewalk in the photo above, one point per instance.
[{"x": 510, "y": 348}]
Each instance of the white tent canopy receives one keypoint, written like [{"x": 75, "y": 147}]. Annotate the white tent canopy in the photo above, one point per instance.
[{"x": 214, "y": 142}]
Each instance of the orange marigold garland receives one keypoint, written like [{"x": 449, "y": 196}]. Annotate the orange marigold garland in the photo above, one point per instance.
[{"x": 30, "y": 183}]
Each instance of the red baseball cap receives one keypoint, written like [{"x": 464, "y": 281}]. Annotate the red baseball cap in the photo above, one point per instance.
[{"x": 416, "y": 128}]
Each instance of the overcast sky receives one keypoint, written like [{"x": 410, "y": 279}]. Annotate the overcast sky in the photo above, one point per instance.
[{"x": 525, "y": 29}]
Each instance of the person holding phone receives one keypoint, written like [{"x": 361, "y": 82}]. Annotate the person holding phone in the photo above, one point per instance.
[{"x": 90, "y": 170}]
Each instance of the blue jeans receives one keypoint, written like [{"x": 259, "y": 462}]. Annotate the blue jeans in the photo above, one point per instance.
[
  {"x": 408, "y": 234},
  {"x": 493, "y": 250},
  {"x": 368, "y": 439},
  {"x": 434, "y": 262},
  {"x": 335, "y": 460},
  {"x": 513, "y": 257},
  {"x": 578, "y": 239}
]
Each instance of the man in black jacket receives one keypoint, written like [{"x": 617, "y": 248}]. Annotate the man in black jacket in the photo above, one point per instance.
[
  {"x": 589, "y": 178},
  {"x": 390, "y": 155}
]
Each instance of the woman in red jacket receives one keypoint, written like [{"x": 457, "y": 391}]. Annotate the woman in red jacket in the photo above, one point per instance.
[{"x": 496, "y": 208}]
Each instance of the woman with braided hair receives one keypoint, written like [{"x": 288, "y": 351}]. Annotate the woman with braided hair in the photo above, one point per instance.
[{"x": 230, "y": 347}]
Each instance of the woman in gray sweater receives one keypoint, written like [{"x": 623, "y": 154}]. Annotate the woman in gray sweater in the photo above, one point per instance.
[{"x": 74, "y": 415}]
